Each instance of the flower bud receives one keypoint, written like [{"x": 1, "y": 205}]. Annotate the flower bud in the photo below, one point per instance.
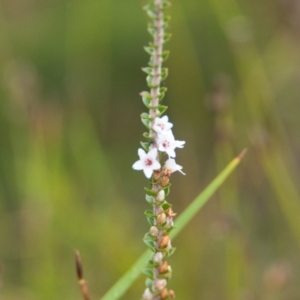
[
  {"x": 160, "y": 284},
  {"x": 164, "y": 241},
  {"x": 170, "y": 213},
  {"x": 170, "y": 222},
  {"x": 171, "y": 294},
  {"x": 158, "y": 257},
  {"x": 164, "y": 180},
  {"x": 147, "y": 295},
  {"x": 156, "y": 175},
  {"x": 163, "y": 267},
  {"x": 164, "y": 294},
  {"x": 161, "y": 218},
  {"x": 160, "y": 196},
  {"x": 153, "y": 231}
]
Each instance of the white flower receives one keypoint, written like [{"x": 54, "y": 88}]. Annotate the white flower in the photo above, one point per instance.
[
  {"x": 162, "y": 125},
  {"x": 148, "y": 162},
  {"x": 170, "y": 164},
  {"x": 166, "y": 143},
  {"x": 159, "y": 284},
  {"x": 158, "y": 257},
  {"x": 147, "y": 295},
  {"x": 160, "y": 195}
]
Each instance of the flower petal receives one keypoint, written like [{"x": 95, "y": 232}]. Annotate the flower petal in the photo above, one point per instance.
[
  {"x": 138, "y": 165},
  {"x": 148, "y": 172},
  {"x": 141, "y": 153}
]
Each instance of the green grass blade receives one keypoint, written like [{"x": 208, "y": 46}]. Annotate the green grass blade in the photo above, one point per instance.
[{"x": 121, "y": 286}]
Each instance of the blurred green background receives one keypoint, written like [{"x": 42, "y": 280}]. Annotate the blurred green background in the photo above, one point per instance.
[{"x": 70, "y": 129}]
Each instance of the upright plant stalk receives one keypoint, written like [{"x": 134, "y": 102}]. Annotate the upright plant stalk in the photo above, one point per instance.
[{"x": 157, "y": 158}]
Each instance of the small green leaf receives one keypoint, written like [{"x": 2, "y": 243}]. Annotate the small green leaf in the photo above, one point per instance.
[
  {"x": 171, "y": 251},
  {"x": 165, "y": 55},
  {"x": 150, "y": 220},
  {"x": 149, "y": 283},
  {"x": 152, "y": 14},
  {"x": 146, "y": 97},
  {"x": 148, "y": 70},
  {"x": 166, "y": 4},
  {"x": 146, "y": 116},
  {"x": 149, "y": 50},
  {"x": 145, "y": 145},
  {"x": 166, "y": 205},
  {"x": 148, "y": 236},
  {"x": 146, "y": 94},
  {"x": 146, "y": 122},
  {"x": 162, "y": 92},
  {"x": 167, "y": 190},
  {"x": 164, "y": 73},
  {"x": 149, "y": 273},
  {"x": 150, "y": 199},
  {"x": 151, "y": 30},
  {"x": 149, "y": 80},
  {"x": 167, "y": 19},
  {"x": 150, "y": 192},
  {"x": 150, "y": 244},
  {"x": 147, "y": 136},
  {"x": 162, "y": 109},
  {"x": 167, "y": 37},
  {"x": 149, "y": 212}
]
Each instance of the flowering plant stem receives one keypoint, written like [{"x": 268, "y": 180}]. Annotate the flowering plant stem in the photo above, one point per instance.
[
  {"x": 121, "y": 286},
  {"x": 160, "y": 142}
]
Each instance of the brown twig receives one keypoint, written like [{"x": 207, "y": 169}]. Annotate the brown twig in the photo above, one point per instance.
[{"x": 81, "y": 280}]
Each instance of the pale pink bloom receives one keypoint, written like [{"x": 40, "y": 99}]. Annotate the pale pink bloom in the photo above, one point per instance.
[
  {"x": 167, "y": 143},
  {"x": 147, "y": 295},
  {"x": 159, "y": 284},
  {"x": 148, "y": 162},
  {"x": 162, "y": 125},
  {"x": 171, "y": 165}
]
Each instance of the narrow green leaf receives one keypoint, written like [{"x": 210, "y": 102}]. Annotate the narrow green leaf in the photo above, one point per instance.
[{"x": 121, "y": 286}]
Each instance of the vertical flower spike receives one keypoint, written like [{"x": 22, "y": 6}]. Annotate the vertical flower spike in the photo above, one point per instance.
[{"x": 160, "y": 141}]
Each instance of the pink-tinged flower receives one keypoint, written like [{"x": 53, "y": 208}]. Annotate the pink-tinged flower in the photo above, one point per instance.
[
  {"x": 148, "y": 162},
  {"x": 167, "y": 143},
  {"x": 147, "y": 295},
  {"x": 162, "y": 125},
  {"x": 171, "y": 165}
]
